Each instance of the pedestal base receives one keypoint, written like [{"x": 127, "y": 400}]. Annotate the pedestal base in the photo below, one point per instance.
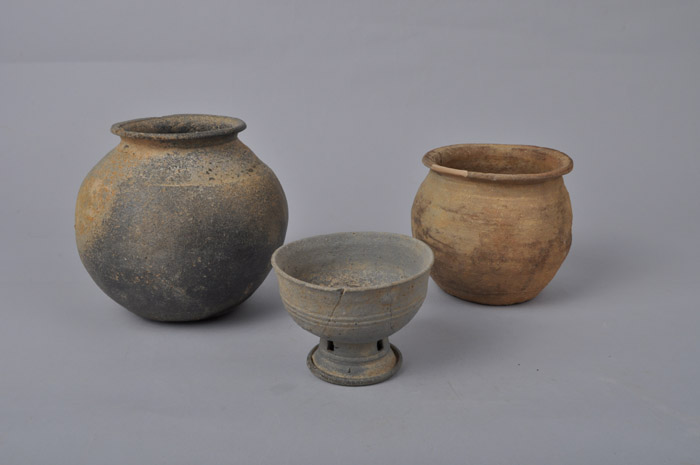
[{"x": 354, "y": 364}]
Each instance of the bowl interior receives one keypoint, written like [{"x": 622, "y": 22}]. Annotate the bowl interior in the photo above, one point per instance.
[{"x": 354, "y": 260}]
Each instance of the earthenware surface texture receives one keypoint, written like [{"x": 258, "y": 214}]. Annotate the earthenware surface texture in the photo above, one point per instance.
[
  {"x": 178, "y": 222},
  {"x": 498, "y": 218}
]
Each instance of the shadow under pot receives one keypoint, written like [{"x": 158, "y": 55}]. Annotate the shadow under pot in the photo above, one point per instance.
[
  {"x": 498, "y": 218},
  {"x": 179, "y": 221}
]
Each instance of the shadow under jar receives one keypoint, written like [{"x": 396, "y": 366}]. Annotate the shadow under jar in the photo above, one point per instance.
[{"x": 498, "y": 218}]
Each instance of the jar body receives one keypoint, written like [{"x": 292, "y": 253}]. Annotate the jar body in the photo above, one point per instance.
[
  {"x": 180, "y": 231},
  {"x": 495, "y": 242}
]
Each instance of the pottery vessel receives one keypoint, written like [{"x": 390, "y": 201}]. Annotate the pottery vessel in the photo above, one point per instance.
[
  {"x": 498, "y": 218},
  {"x": 353, "y": 290},
  {"x": 179, "y": 221}
]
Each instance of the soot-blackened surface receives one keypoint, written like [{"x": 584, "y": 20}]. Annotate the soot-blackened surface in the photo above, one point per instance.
[{"x": 179, "y": 234}]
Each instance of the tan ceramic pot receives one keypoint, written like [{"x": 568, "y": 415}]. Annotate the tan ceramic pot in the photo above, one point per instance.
[{"x": 498, "y": 218}]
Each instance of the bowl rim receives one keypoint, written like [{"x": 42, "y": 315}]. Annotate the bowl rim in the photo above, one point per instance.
[{"x": 425, "y": 270}]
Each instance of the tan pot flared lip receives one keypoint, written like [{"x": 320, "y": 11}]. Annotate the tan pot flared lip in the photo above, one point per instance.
[
  {"x": 566, "y": 164},
  {"x": 209, "y": 126}
]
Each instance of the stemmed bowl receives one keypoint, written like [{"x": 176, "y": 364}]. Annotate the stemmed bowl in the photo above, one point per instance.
[{"x": 353, "y": 290}]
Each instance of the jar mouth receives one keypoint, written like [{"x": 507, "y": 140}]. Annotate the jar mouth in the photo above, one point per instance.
[
  {"x": 499, "y": 162},
  {"x": 179, "y": 127}
]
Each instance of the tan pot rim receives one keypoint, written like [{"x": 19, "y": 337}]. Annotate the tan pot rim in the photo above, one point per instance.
[
  {"x": 559, "y": 163},
  {"x": 179, "y": 127}
]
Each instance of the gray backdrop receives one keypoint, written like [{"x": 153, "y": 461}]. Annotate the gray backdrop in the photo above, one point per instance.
[{"x": 342, "y": 99}]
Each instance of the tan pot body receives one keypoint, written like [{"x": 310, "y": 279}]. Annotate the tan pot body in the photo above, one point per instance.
[{"x": 498, "y": 237}]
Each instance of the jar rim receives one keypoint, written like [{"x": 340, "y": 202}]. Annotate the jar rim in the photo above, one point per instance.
[{"x": 179, "y": 127}]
